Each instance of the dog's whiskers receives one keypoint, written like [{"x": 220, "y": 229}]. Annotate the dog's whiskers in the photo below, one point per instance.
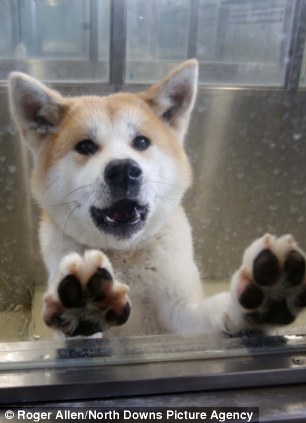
[
  {"x": 171, "y": 201},
  {"x": 160, "y": 179},
  {"x": 160, "y": 209},
  {"x": 165, "y": 183},
  {"x": 68, "y": 217},
  {"x": 78, "y": 205},
  {"x": 67, "y": 195}
]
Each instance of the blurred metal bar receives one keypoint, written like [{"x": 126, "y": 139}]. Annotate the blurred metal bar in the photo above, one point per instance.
[
  {"x": 296, "y": 46},
  {"x": 287, "y": 26},
  {"x": 193, "y": 29},
  {"x": 15, "y": 14},
  {"x": 30, "y": 38},
  {"x": 93, "y": 31},
  {"x": 117, "y": 43},
  {"x": 34, "y": 29},
  {"x": 223, "y": 22}
]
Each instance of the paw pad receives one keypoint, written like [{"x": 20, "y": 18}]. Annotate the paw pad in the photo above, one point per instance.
[
  {"x": 252, "y": 297},
  {"x": 99, "y": 284},
  {"x": 115, "y": 319},
  {"x": 278, "y": 313},
  {"x": 294, "y": 268},
  {"x": 266, "y": 268},
  {"x": 70, "y": 292},
  {"x": 301, "y": 298},
  {"x": 86, "y": 303}
]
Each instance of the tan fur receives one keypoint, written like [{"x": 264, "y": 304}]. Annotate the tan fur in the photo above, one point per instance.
[{"x": 79, "y": 111}]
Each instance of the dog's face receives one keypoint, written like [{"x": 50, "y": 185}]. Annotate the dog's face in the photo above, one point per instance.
[{"x": 108, "y": 170}]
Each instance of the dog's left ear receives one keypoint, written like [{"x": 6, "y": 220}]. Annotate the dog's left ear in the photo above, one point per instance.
[{"x": 172, "y": 99}]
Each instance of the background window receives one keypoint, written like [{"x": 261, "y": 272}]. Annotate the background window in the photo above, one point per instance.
[
  {"x": 157, "y": 36},
  {"x": 6, "y": 29},
  {"x": 236, "y": 41},
  {"x": 56, "y": 40},
  {"x": 63, "y": 28},
  {"x": 244, "y": 42}
]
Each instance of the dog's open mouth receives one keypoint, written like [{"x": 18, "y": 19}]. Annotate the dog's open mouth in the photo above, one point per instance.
[{"x": 122, "y": 219}]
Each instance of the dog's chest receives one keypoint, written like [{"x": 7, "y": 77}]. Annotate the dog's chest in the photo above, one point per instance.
[{"x": 138, "y": 270}]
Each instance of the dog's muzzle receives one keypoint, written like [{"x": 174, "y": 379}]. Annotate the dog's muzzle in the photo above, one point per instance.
[{"x": 126, "y": 215}]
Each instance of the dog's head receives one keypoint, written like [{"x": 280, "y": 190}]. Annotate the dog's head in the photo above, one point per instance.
[{"x": 108, "y": 170}]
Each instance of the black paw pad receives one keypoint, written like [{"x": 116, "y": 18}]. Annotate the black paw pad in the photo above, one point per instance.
[
  {"x": 252, "y": 297},
  {"x": 278, "y": 313},
  {"x": 266, "y": 269},
  {"x": 117, "y": 319},
  {"x": 70, "y": 292},
  {"x": 56, "y": 321},
  {"x": 294, "y": 268},
  {"x": 85, "y": 328},
  {"x": 98, "y": 283},
  {"x": 301, "y": 299}
]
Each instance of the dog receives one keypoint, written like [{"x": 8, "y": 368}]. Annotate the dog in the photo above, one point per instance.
[{"x": 109, "y": 174}]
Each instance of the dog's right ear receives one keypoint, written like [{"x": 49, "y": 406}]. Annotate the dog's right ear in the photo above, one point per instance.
[{"x": 37, "y": 109}]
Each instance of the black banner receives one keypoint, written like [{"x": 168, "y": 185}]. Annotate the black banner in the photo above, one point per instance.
[{"x": 131, "y": 414}]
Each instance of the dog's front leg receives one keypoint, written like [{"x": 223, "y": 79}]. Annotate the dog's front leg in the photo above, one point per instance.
[
  {"x": 267, "y": 291},
  {"x": 183, "y": 308}
]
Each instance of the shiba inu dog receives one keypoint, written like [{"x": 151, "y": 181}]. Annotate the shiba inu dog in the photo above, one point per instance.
[{"x": 109, "y": 175}]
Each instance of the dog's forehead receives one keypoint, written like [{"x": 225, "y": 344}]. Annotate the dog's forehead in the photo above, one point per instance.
[{"x": 118, "y": 116}]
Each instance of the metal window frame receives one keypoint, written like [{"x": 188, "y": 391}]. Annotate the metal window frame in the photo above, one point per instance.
[
  {"x": 296, "y": 46},
  {"x": 117, "y": 53}
]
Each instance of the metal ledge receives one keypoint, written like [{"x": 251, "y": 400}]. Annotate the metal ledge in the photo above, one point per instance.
[{"x": 106, "y": 368}]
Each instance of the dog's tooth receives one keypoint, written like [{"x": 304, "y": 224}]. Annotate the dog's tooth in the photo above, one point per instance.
[{"x": 108, "y": 219}]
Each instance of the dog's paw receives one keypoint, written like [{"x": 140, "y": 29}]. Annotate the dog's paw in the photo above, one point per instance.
[
  {"x": 270, "y": 286},
  {"x": 85, "y": 298}
]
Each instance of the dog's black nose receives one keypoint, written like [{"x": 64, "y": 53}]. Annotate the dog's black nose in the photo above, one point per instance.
[{"x": 123, "y": 177}]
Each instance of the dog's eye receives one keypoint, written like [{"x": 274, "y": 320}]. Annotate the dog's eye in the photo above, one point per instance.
[
  {"x": 86, "y": 147},
  {"x": 141, "y": 143}
]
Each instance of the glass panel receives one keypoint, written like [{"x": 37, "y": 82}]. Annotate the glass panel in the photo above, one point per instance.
[
  {"x": 237, "y": 42},
  {"x": 63, "y": 27},
  {"x": 103, "y": 29},
  {"x": 247, "y": 153},
  {"x": 156, "y": 37},
  {"x": 6, "y": 29},
  {"x": 59, "y": 40},
  {"x": 243, "y": 42}
]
